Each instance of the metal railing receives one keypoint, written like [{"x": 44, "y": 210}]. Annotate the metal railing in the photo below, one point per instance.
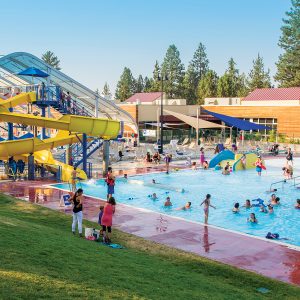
[{"x": 283, "y": 181}]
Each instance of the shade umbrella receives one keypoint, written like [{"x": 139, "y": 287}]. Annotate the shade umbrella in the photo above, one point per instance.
[{"x": 33, "y": 72}]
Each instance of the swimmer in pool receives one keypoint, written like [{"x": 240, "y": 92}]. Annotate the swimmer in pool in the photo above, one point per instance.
[
  {"x": 153, "y": 181},
  {"x": 125, "y": 176},
  {"x": 205, "y": 165},
  {"x": 207, "y": 204},
  {"x": 262, "y": 209},
  {"x": 226, "y": 170},
  {"x": 168, "y": 202},
  {"x": 297, "y": 205},
  {"x": 271, "y": 209},
  {"x": 275, "y": 201},
  {"x": 154, "y": 196},
  {"x": 273, "y": 197},
  {"x": 271, "y": 191},
  {"x": 187, "y": 206},
  {"x": 236, "y": 208},
  {"x": 252, "y": 218},
  {"x": 247, "y": 204}
]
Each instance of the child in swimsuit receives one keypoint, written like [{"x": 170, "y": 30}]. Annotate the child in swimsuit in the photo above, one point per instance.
[
  {"x": 252, "y": 218},
  {"x": 207, "y": 204},
  {"x": 297, "y": 205},
  {"x": 236, "y": 208}
]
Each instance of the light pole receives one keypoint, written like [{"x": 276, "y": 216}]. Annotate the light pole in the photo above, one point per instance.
[{"x": 161, "y": 78}]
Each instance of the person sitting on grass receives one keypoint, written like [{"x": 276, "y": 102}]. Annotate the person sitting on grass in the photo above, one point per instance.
[{"x": 168, "y": 202}]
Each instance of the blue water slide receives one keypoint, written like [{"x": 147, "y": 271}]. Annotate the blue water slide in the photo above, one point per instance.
[{"x": 223, "y": 155}]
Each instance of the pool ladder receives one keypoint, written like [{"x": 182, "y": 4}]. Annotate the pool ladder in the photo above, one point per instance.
[{"x": 284, "y": 181}]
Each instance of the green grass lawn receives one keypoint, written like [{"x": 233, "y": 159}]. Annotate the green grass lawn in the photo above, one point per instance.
[{"x": 41, "y": 259}]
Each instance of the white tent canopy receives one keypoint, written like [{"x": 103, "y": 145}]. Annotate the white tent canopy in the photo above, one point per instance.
[{"x": 194, "y": 122}]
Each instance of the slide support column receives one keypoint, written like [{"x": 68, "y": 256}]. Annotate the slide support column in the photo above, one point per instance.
[
  {"x": 84, "y": 153},
  {"x": 10, "y": 131},
  {"x": 105, "y": 157},
  {"x": 43, "y": 129},
  {"x": 31, "y": 167}
]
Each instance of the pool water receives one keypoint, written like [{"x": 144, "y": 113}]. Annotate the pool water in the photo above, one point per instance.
[{"x": 225, "y": 191}]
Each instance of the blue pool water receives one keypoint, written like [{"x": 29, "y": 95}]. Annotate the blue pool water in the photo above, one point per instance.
[{"x": 225, "y": 191}]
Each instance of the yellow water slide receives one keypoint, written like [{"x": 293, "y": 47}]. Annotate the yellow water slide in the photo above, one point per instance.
[{"x": 67, "y": 126}]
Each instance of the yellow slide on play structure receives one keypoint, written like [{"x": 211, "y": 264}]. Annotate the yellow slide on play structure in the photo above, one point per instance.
[{"x": 68, "y": 125}]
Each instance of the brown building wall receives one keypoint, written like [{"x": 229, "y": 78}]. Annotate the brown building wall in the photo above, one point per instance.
[{"x": 288, "y": 117}]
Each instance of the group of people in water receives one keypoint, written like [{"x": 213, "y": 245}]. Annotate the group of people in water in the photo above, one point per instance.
[{"x": 108, "y": 209}]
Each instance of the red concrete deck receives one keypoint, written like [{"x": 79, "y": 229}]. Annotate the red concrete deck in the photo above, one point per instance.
[{"x": 261, "y": 256}]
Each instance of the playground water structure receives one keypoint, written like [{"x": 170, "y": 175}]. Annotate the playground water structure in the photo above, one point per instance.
[
  {"x": 225, "y": 191},
  {"x": 70, "y": 129}
]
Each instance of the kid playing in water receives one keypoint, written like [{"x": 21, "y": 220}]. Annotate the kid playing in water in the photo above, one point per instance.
[
  {"x": 297, "y": 205},
  {"x": 154, "y": 196},
  {"x": 275, "y": 200},
  {"x": 271, "y": 209},
  {"x": 236, "y": 208},
  {"x": 247, "y": 204},
  {"x": 187, "y": 206},
  {"x": 252, "y": 218},
  {"x": 259, "y": 166},
  {"x": 207, "y": 204},
  {"x": 168, "y": 202}
]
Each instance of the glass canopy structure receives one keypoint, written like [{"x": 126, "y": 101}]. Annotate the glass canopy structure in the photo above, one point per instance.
[{"x": 12, "y": 64}]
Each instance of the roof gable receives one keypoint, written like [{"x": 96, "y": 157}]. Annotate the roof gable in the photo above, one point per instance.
[
  {"x": 270, "y": 94},
  {"x": 144, "y": 97}
]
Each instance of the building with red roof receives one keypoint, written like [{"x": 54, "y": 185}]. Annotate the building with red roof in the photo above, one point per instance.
[
  {"x": 273, "y": 97},
  {"x": 278, "y": 108}
]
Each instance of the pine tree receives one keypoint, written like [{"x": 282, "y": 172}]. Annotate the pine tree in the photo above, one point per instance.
[
  {"x": 228, "y": 84},
  {"x": 51, "y": 59},
  {"x": 242, "y": 88},
  {"x": 174, "y": 69},
  {"x": 155, "y": 83},
  {"x": 258, "y": 77},
  {"x": 189, "y": 81},
  {"x": 288, "y": 66},
  {"x": 200, "y": 63},
  {"x": 126, "y": 85},
  {"x": 197, "y": 68},
  {"x": 139, "y": 84},
  {"x": 207, "y": 87},
  {"x": 148, "y": 82},
  {"x": 106, "y": 91}
]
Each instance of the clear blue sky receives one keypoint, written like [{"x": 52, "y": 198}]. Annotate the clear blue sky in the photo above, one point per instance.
[{"x": 95, "y": 40}]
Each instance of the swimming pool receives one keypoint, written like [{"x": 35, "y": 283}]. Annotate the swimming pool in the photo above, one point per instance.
[{"x": 225, "y": 191}]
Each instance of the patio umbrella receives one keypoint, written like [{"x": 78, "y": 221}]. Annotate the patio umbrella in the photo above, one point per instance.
[{"x": 33, "y": 72}]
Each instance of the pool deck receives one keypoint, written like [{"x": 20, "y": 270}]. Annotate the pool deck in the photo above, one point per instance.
[{"x": 261, "y": 256}]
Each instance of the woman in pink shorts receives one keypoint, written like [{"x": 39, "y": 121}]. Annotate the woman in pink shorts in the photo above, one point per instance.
[
  {"x": 202, "y": 156},
  {"x": 106, "y": 220}
]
